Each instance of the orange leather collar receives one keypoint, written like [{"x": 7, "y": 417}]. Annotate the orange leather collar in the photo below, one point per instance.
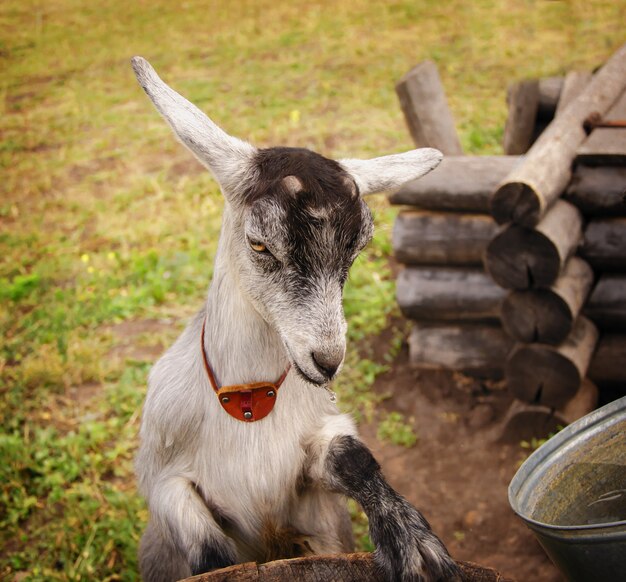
[{"x": 245, "y": 402}]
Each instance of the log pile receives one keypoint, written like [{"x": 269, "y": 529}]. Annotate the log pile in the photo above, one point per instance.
[{"x": 516, "y": 265}]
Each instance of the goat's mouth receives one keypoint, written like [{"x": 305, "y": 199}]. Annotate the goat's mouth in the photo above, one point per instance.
[
  {"x": 306, "y": 377},
  {"x": 301, "y": 372}
]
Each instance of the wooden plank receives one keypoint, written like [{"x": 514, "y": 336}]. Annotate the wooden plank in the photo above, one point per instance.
[
  {"x": 607, "y": 305},
  {"x": 598, "y": 191},
  {"x": 604, "y": 244},
  {"x": 459, "y": 184},
  {"x": 448, "y": 294},
  {"x": 523, "y": 102},
  {"x": 606, "y": 146},
  {"x": 532, "y": 187},
  {"x": 552, "y": 375},
  {"x": 436, "y": 238},
  {"x": 475, "y": 349},
  {"x": 358, "y": 567},
  {"x": 548, "y": 315},
  {"x": 425, "y": 107},
  {"x": 522, "y": 258}
]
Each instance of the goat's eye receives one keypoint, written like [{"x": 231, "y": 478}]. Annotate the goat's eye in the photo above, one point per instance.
[{"x": 259, "y": 247}]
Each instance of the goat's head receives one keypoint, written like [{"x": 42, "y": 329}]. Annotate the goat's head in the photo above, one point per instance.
[{"x": 296, "y": 223}]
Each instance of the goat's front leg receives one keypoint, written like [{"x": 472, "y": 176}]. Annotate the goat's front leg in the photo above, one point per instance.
[
  {"x": 406, "y": 547},
  {"x": 185, "y": 524}
]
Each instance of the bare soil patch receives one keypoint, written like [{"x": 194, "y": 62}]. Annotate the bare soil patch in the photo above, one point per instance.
[{"x": 457, "y": 473}]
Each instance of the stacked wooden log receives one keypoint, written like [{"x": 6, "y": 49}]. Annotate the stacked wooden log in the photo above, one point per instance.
[{"x": 550, "y": 229}]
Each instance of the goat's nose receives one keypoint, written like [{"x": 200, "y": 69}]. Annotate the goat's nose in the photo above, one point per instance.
[{"x": 327, "y": 363}]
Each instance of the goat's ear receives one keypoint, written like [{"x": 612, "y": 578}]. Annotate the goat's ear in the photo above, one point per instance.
[
  {"x": 227, "y": 157},
  {"x": 390, "y": 172}
]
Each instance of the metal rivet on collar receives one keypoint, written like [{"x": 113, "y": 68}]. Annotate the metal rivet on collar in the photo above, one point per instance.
[
  {"x": 225, "y": 399},
  {"x": 247, "y": 415},
  {"x": 271, "y": 393}
]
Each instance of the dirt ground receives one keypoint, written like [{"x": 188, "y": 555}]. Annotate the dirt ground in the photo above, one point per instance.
[{"x": 459, "y": 470}]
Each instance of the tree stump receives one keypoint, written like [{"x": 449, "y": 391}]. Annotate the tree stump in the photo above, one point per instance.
[{"x": 337, "y": 568}]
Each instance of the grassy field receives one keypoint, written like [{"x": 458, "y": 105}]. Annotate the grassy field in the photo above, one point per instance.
[{"x": 108, "y": 227}]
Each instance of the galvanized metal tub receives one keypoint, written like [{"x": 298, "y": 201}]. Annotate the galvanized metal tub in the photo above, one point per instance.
[{"x": 571, "y": 492}]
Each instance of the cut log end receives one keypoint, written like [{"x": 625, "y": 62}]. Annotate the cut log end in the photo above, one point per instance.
[
  {"x": 521, "y": 258},
  {"x": 541, "y": 376},
  {"x": 516, "y": 202},
  {"x": 536, "y": 316}
]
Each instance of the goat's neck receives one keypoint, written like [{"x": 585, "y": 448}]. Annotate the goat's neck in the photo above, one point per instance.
[{"x": 240, "y": 345}]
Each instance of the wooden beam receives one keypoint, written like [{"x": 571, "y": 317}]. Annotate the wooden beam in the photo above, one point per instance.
[
  {"x": 606, "y": 146},
  {"x": 521, "y": 258},
  {"x": 598, "y": 191},
  {"x": 573, "y": 85},
  {"x": 465, "y": 184},
  {"x": 604, "y": 244},
  {"x": 474, "y": 349},
  {"x": 445, "y": 294},
  {"x": 423, "y": 102},
  {"x": 607, "y": 305},
  {"x": 552, "y": 375},
  {"x": 458, "y": 184},
  {"x": 437, "y": 238},
  {"x": 548, "y": 315},
  {"x": 523, "y": 102},
  {"x": 531, "y": 188}
]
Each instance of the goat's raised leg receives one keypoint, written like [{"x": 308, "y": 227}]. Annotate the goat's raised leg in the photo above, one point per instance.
[
  {"x": 406, "y": 548},
  {"x": 182, "y": 538}
]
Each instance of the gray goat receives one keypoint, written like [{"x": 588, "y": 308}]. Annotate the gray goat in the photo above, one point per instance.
[{"x": 243, "y": 455}]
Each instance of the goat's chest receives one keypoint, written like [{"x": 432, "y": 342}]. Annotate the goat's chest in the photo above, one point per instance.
[{"x": 253, "y": 467}]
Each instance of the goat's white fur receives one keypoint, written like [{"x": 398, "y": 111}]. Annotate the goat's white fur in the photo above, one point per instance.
[{"x": 194, "y": 458}]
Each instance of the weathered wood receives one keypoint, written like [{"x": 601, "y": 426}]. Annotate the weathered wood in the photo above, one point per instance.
[
  {"x": 547, "y": 315},
  {"x": 435, "y": 238},
  {"x": 523, "y": 102},
  {"x": 532, "y": 187},
  {"x": 551, "y": 375},
  {"x": 423, "y": 102},
  {"x": 445, "y": 294},
  {"x": 524, "y": 420},
  {"x": 607, "y": 365},
  {"x": 549, "y": 95},
  {"x": 474, "y": 349},
  {"x": 459, "y": 183},
  {"x": 604, "y": 244},
  {"x": 521, "y": 258},
  {"x": 573, "y": 85},
  {"x": 465, "y": 184},
  {"x": 598, "y": 191},
  {"x": 606, "y": 146},
  {"x": 607, "y": 305},
  {"x": 342, "y": 567}
]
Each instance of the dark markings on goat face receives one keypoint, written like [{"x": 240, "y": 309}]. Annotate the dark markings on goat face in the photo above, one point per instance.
[{"x": 324, "y": 221}]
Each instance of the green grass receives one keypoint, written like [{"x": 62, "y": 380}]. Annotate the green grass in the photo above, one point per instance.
[{"x": 106, "y": 222}]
